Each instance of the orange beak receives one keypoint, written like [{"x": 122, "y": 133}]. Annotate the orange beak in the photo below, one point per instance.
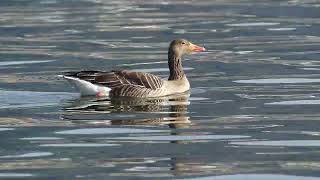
[{"x": 195, "y": 48}]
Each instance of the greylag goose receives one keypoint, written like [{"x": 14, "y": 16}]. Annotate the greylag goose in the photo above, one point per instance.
[{"x": 137, "y": 84}]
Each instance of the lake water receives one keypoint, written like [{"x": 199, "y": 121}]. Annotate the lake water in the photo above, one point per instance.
[{"x": 253, "y": 110}]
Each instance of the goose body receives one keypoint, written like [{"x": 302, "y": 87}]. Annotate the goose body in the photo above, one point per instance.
[{"x": 137, "y": 84}]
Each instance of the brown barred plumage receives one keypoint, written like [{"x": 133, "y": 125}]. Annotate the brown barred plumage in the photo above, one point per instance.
[{"x": 122, "y": 83}]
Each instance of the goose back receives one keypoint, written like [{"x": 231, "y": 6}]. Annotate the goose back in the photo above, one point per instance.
[{"x": 123, "y": 83}]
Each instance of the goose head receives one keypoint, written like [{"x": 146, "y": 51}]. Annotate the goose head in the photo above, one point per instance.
[{"x": 180, "y": 47}]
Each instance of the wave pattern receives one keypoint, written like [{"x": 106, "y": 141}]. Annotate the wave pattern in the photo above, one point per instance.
[{"x": 253, "y": 110}]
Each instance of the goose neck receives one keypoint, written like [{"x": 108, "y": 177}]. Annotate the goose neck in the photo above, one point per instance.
[{"x": 175, "y": 66}]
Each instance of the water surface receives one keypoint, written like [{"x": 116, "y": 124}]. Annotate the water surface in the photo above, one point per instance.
[{"x": 252, "y": 112}]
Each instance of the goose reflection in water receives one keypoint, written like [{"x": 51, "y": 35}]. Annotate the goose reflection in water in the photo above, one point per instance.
[{"x": 168, "y": 110}]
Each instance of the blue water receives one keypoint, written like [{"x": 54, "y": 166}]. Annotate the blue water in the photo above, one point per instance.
[{"x": 252, "y": 113}]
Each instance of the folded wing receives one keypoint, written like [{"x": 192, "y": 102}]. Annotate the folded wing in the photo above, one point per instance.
[{"x": 121, "y": 82}]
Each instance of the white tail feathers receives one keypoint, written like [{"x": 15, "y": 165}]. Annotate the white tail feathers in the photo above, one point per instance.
[{"x": 86, "y": 88}]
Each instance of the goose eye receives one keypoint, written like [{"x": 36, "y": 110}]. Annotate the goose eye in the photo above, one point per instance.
[{"x": 183, "y": 43}]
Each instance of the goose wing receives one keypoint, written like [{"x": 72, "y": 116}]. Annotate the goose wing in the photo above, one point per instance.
[{"x": 120, "y": 79}]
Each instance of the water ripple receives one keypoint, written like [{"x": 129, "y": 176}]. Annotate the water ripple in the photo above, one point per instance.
[
  {"x": 181, "y": 137},
  {"x": 286, "y": 143},
  {"x": 78, "y": 145},
  {"x": 253, "y": 103},
  {"x": 256, "y": 176},
  {"x": 108, "y": 131}
]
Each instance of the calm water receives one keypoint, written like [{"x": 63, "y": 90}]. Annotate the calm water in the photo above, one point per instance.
[{"x": 253, "y": 110}]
